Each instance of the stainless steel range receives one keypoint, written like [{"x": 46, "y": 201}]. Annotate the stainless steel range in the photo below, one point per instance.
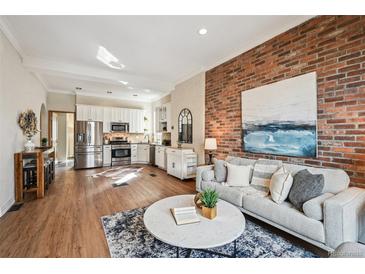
[{"x": 121, "y": 152}]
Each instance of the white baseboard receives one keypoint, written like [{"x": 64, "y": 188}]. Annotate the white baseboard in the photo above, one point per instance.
[{"x": 5, "y": 207}]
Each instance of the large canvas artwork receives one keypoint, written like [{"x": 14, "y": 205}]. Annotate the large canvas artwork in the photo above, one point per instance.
[{"x": 281, "y": 118}]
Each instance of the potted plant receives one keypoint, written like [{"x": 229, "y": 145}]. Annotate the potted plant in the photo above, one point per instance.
[
  {"x": 44, "y": 141},
  {"x": 209, "y": 199}
]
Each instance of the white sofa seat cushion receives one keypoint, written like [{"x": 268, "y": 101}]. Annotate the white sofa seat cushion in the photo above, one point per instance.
[
  {"x": 314, "y": 207},
  {"x": 234, "y": 195},
  {"x": 286, "y": 215}
]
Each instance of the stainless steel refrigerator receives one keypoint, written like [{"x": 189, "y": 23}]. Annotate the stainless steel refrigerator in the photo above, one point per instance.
[{"x": 88, "y": 144}]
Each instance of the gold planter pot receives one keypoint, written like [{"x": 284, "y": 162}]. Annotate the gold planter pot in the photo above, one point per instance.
[{"x": 209, "y": 213}]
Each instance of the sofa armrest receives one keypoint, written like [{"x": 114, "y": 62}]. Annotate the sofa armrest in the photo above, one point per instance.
[
  {"x": 344, "y": 216},
  {"x": 199, "y": 172}
]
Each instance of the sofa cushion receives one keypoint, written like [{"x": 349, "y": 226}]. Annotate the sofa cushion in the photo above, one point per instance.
[
  {"x": 220, "y": 170},
  {"x": 234, "y": 195},
  {"x": 305, "y": 186},
  {"x": 314, "y": 207},
  {"x": 280, "y": 184},
  {"x": 238, "y": 175},
  {"x": 285, "y": 215},
  {"x": 208, "y": 175},
  {"x": 240, "y": 161},
  {"x": 335, "y": 180},
  {"x": 263, "y": 170}
]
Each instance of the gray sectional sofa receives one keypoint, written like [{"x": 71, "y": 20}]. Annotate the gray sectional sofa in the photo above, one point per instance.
[{"x": 340, "y": 214}]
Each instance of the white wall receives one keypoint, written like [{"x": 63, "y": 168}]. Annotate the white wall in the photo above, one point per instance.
[
  {"x": 190, "y": 94},
  {"x": 61, "y": 102},
  {"x": 19, "y": 90}
]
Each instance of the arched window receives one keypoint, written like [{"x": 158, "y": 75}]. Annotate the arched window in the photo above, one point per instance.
[{"x": 185, "y": 129}]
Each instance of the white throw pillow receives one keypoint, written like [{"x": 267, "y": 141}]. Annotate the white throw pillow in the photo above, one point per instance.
[
  {"x": 238, "y": 175},
  {"x": 280, "y": 184}
]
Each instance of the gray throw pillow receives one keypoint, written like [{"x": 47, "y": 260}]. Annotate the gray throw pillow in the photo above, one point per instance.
[
  {"x": 220, "y": 170},
  {"x": 305, "y": 186}
]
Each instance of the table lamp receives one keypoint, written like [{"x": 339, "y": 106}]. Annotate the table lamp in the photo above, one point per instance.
[{"x": 210, "y": 145}]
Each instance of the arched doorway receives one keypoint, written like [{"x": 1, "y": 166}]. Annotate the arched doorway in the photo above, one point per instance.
[{"x": 43, "y": 123}]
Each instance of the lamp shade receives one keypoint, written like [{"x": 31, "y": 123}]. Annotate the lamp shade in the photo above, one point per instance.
[{"x": 210, "y": 144}]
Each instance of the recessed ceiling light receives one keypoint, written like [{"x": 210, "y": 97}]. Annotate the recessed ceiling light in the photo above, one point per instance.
[
  {"x": 203, "y": 31},
  {"x": 147, "y": 90},
  {"x": 109, "y": 92},
  {"x": 123, "y": 82},
  {"x": 130, "y": 88},
  {"x": 108, "y": 59},
  {"x": 135, "y": 95}
]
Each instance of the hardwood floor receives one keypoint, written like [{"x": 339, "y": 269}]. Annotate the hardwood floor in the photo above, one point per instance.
[{"x": 66, "y": 223}]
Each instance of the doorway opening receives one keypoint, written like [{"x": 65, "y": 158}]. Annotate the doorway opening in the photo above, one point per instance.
[{"x": 61, "y": 136}]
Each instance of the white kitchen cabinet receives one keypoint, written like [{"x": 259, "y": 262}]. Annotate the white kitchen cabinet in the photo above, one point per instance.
[
  {"x": 168, "y": 116},
  {"x": 134, "y": 117},
  {"x": 143, "y": 153},
  {"x": 134, "y": 158},
  {"x": 107, "y": 155},
  {"x": 163, "y": 118},
  {"x": 181, "y": 163},
  {"x": 89, "y": 113},
  {"x": 140, "y": 153},
  {"x": 107, "y": 119},
  {"x": 160, "y": 157}
]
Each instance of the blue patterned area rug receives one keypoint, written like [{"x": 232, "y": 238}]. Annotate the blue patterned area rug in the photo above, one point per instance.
[{"x": 127, "y": 237}]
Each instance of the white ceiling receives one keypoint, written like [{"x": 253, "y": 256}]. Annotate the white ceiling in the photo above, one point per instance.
[{"x": 158, "y": 51}]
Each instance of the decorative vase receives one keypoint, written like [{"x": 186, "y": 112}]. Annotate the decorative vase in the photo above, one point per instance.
[
  {"x": 29, "y": 145},
  {"x": 209, "y": 213}
]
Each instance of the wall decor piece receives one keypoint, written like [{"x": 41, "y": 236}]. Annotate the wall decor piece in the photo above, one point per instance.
[
  {"x": 185, "y": 129},
  {"x": 281, "y": 118}
]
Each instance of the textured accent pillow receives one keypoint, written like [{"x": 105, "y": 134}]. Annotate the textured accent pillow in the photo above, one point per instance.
[
  {"x": 238, "y": 175},
  {"x": 280, "y": 184},
  {"x": 263, "y": 171},
  {"x": 208, "y": 175},
  {"x": 220, "y": 170},
  {"x": 314, "y": 207},
  {"x": 305, "y": 186}
]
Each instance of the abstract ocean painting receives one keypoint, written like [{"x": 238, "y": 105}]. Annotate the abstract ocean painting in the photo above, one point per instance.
[{"x": 281, "y": 118}]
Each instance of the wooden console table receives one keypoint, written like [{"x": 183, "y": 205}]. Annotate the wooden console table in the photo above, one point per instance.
[{"x": 39, "y": 155}]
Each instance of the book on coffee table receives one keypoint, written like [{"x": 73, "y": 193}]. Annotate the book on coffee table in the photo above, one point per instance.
[{"x": 185, "y": 215}]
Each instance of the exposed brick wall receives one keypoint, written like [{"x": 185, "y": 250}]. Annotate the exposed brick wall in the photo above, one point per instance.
[{"x": 334, "y": 47}]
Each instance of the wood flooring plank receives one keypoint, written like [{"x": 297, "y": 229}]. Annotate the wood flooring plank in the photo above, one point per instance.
[{"x": 66, "y": 222}]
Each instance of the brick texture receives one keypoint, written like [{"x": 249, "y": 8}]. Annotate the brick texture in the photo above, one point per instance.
[{"x": 334, "y": 47}]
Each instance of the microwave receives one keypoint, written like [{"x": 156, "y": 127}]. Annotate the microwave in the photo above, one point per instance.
[{"x": 119, "y": 127}]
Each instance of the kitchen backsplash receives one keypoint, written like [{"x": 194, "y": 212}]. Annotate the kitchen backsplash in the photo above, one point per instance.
[{"x": 132, "y": 137}]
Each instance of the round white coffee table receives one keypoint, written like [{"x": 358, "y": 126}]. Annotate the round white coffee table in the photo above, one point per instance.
[{"x": 225, "y": 228}]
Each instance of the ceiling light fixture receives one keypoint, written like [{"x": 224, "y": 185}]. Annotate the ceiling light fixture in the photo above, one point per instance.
[
  {"x": 109, "y": 92},
  {"x": 78, "y": 88},
  {"x": 147, "y": 90},
  {"x": 203, "y": 31},
  {"x": 123, "y": 82},
  {"x": 130, "y": 88},
  {"x": 108, "y": 59}
]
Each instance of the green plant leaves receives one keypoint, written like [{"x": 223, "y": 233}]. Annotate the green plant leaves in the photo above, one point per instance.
[{"x": 209, "y": 198}]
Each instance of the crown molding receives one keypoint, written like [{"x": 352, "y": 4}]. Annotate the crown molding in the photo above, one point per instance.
[
  {"x": 61, "y": 91},
  {"x": 5, "y": 28}
]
